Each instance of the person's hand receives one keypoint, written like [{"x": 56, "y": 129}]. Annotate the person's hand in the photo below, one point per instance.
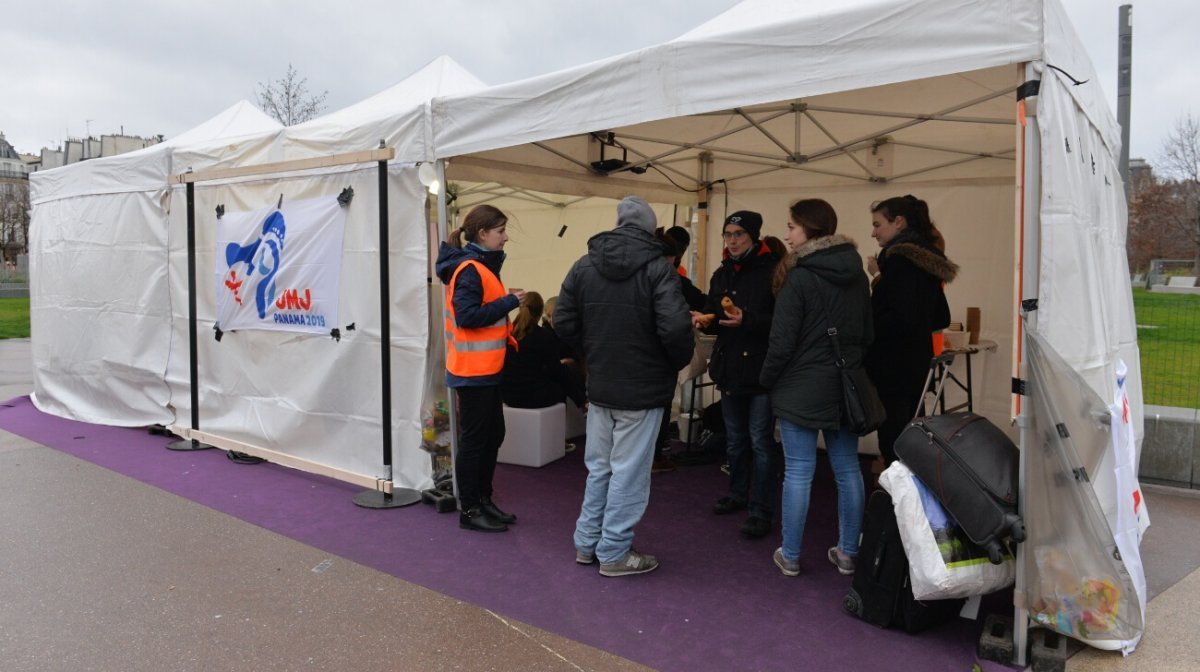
[
  {"x": 584, "y": 408},
  {"x": 701, "y": 320},
  {"x": 872, "y": 266},
  {"x": 734, "y": 318},
  {"x": 519, "y": 293}
]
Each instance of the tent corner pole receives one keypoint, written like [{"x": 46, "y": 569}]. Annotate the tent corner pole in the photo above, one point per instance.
[
  {"x": 443, "y": 230},
  {"x": 1030, "y": 264},
  {"x": 397, "y": 497},
  {"x": 193, "y": 365}
]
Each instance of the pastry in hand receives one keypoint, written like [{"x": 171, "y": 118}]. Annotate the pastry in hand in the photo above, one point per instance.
[
  {"x": 703, "y": 321},
  {"x": 731, "y": 310}
]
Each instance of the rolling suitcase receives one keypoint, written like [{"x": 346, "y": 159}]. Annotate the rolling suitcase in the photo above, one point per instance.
[
  {"x": 881, "y": 593},
  {"x": 971, "y": 466}
]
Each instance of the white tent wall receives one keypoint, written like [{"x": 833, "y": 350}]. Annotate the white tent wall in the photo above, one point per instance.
[
  {"x": 99, "y": 301},
  {"x": 302, "y": 395},
  {"x": 1085, "y": 308},
  {"x": 99, "y": 305}
]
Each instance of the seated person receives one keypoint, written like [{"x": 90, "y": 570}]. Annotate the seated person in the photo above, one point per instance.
[
  {"x": 534, "y": 374},
  {"x": 565, "y": 352}
]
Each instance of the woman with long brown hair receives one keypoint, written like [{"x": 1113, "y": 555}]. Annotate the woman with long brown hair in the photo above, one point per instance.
[
  {"x": 534, "y": 373},
  {"x": 477, "y": 336},
  {"x": 908, "y": 304},
  {"x": 821, "y": 286}
]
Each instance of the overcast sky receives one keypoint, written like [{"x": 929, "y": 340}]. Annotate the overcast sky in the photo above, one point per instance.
[{"x": 165, "y": 66}]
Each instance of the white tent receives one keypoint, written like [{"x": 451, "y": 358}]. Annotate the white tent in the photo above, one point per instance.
[
  {"x": 307, "y": 401},
  {"x": 856, "y": 101},
  {"x": 852, "y": 102},
  {"x": 99, "y": 302}
]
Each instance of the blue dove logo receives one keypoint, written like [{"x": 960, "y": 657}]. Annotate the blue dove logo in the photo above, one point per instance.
[{"x": 262, "y": 257}]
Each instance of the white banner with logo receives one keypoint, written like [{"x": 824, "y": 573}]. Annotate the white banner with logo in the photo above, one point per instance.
[{"x": 279, "y": 268}]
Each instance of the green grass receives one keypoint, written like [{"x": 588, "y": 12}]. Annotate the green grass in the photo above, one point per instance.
[
  {"x": 14, "y": 318},
  {"x": 1169, "y": 340}
]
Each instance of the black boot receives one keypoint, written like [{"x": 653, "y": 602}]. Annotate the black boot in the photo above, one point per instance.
[
  {"x": 489, "y": 507},
  {"x": 475, "y": 518}
]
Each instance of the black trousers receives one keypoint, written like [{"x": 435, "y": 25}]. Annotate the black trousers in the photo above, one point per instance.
[
  {"x": 481, "y": 431},
  {"x": 900, "y": 409}
]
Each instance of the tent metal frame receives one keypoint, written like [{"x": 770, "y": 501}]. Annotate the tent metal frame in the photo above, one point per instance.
[{"x": 791, "y": 158}]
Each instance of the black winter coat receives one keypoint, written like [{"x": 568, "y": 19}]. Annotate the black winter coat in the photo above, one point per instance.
[
  {"x": 826, "y": 285},
  {"x": 534, "y": 375},
  {"x": 738, "y": 353},
  {"x": 622, "y": 308},
  {"x": 908, "y": 304}
]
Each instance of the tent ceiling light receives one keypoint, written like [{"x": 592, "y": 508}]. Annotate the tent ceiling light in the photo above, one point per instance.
[{"x": 427, "y": 174}]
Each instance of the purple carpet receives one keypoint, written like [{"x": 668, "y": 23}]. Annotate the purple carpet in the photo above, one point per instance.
[{"x": 717, "y": 602}]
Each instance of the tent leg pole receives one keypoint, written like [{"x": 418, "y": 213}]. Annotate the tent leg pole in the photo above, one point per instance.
[
  {"x": 398, "y": 497},
  {"x": 443, "y": 231},
  {"x": 1030, "y": 258},
  {"x": 193, "y": 367}
]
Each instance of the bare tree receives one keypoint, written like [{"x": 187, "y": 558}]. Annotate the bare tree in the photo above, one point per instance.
[
  {"x": 1181, "y": 163},
  {"x": 288, "y": 100},
  {"x": 14, "y": 218}
]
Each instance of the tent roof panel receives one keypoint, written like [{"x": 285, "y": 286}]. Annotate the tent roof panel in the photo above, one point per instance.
[{"x": 761, "y": 51}]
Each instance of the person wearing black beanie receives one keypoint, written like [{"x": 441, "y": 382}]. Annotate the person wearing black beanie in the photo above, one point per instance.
[{"x": 743, "y": 331}]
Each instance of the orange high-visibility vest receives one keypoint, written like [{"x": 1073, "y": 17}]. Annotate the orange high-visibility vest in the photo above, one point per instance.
[{"x": 476, "y": 352}]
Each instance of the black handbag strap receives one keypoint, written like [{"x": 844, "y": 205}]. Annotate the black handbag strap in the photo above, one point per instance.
[{"x": 831, "y": 331}]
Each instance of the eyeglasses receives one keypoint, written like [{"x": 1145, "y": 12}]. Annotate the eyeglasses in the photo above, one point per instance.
[{"x": 730, "y": 235}]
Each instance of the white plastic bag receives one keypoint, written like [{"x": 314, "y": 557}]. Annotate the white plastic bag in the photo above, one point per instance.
[{"x": 942, "y": 563}]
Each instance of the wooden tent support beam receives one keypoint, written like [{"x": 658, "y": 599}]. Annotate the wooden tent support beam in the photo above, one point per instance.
[
  {"x": 369, "y": 156},
  {"x": 284, "y": 459}
]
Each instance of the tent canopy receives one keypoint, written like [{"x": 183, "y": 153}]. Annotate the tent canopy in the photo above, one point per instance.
[
  {"x": 148, "y": 168},
  {"x": 398, "y": 116}
]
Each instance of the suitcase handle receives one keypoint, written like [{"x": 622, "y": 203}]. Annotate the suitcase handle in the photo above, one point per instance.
[{"x": 944, "y": 361}]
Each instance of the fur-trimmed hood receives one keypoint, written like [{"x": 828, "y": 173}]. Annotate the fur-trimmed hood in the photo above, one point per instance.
[
  {"x": 834, "y": 258},
  {"x": 816, "y": 245},
  {"x": 927, "y": 259}
]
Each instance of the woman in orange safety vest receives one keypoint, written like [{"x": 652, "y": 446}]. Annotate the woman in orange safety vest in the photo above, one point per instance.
[{"x": 477, "y": 334}]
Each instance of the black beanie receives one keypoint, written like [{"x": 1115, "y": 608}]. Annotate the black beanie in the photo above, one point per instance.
[{"x": 747, "y": 219}]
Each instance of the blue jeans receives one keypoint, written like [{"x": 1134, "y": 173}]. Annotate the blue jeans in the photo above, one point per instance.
[
  {"x": 750, "y": 447},
  {"x": 800, "y": 461},
  {"x": 618, "y": 455}
]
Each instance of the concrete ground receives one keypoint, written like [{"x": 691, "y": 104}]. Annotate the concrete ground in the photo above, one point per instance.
[{"x": 123, "y": 576}]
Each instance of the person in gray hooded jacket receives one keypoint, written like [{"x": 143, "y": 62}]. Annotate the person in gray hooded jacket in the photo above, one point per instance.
[{"x": 622, "y": 308}]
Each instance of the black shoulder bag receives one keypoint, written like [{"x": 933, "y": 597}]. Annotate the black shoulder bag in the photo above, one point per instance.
[{"x": 860, "y": 401}]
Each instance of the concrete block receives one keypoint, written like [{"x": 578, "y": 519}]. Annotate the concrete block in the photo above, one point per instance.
[
  {"x": 1047, "y": 651},
  {"x": 533, "y": 436},
  {"x": 1182, "y": 281},
  {"x": 996, "y": 640},
  {"x": 1169, "y": 448}
]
